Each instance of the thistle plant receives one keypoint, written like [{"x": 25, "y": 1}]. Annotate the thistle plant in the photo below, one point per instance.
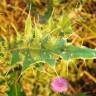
[{"x": 37, "y": 45}]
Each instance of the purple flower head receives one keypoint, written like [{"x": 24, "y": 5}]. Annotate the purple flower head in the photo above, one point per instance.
[{"x": 59, "y": 84}]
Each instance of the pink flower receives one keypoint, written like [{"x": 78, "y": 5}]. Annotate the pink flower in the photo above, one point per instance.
[{"x": 59, "y": 85}]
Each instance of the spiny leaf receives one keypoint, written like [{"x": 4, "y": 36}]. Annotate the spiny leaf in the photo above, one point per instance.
[
  {"x": 48, "y": 58},
  {"x": 65, "y": 24},
  {"x": 27, "y": 60},
  {"x": 73, "y": 52},
  {"x": 59, "y": 45},
  {"x": 38, "y": 34},
  {"x": 49, "y": 42},
  {"x": 28, "y": 35}
]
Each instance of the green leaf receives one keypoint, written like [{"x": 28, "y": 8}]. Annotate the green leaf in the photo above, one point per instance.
[
  {"x": 27, "y": 59},
  {"x": 59, "y": 45},
  {"x": 15, "y": 57},
  {"x": 65, "y": 24},
  {"x": 73, "y": 52},
  {"x": 66, "y": 56},
  {"x": 54, "y": 44},
  {"x": 28, "y": 35},
  {"x": 48, "y": 58}
]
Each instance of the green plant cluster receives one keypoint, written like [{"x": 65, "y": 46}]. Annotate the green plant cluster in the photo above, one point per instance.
[{"x": 37, "y": 45}]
